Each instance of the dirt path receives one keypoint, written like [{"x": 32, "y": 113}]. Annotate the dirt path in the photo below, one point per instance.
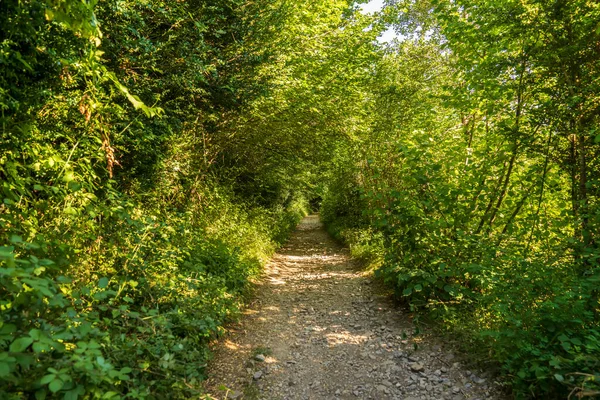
[{"x": 318, "y": 329}]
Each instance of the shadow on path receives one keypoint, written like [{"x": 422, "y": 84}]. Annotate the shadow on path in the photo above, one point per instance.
[{"x": 325, "y": 333}]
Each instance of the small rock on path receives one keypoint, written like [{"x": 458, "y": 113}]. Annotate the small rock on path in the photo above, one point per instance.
[{"x": 318, "y": 329}]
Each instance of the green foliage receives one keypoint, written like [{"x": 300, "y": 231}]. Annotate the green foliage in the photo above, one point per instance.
[
  {"x": 476, "y": 171},
  {"x": 153, "y": 154},
  {"x": 125, "y": 244},
  {"x": 137, "y": 308}
]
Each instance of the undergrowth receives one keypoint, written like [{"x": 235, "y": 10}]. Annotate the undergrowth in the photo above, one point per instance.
[
  {"x": 129, "y": 310},
  {"x": 538, "y": 330}
]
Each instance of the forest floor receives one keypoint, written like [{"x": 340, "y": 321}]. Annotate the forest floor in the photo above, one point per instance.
[{"x": 320, "y": 328}]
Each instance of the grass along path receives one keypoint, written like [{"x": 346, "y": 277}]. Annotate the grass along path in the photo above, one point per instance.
[{"x": 318, "y": 328}]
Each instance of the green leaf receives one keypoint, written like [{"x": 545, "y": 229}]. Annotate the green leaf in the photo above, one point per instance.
[
  {"x": 39, "y": 347},
  {"x": 25, "y": 63},
  {"x": 56, "y": 385},
  {"x": 4, "y": 369},
  {"x": 71, "y": 395},
  {"x": 103, "y": 282},
  {"x": 576, "y": 342},
  {"x": 49, "y": 14},
  {"x": 20, "y": 344},
  {"x": 35, "y": 334},
  {"x": 8, "y": 329},
  {"x": 16, "y": 239},
  {"x": 559, "y": 377},
  {"x": 47, "y": 379},
  {"x": 7, "y": 252}
]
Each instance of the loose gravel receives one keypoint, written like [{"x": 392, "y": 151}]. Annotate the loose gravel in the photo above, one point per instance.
[{"x": 319, "y": 328}]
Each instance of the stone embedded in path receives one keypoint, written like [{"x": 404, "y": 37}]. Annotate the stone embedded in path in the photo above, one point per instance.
[
  {"x": 417, "y": 367},
  {"x": 234, "y": 395}
]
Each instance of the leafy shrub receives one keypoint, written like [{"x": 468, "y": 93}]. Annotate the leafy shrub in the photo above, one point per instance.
[
  {"x": 124, "y": 248},
  {"x": 130, "y": 317}
]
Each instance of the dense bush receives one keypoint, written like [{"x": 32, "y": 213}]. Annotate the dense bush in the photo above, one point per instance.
[
  {"x": 130, "y": 310},
  {"x": 125, "y": 247},
  {"x": 153, "y": 154},
  {"x": 475, "y": 175}
]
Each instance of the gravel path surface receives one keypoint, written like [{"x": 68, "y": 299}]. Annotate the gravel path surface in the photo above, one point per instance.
[{"x": 319, "y": 329}]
